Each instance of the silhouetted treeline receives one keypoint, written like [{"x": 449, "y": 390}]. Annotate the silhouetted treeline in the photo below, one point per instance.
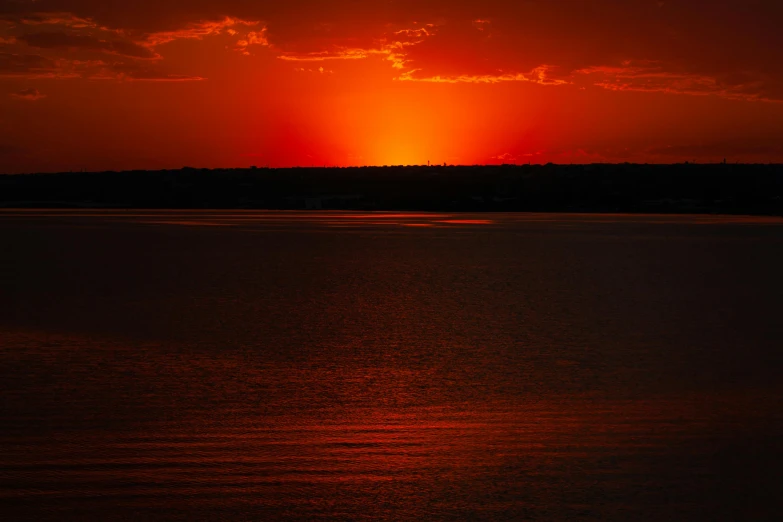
[{"x": 683, "y": 188}]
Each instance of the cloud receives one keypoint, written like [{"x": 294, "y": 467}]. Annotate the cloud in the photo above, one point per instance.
[
  {"x": 469, "y": 53},
  {"x": 623, "y": 46},
  {"x": 60, "y": 40},
  {"x": 506, "y": 157},
  {"x": 39, "y": 67},
  {"x": 481, "y": 24},
  {"x": 420, "y": 32},
  {"x": 647, "y": 76},
  {"x": 540, "y": 75},
  {"x": 387, "y": 50},
  {"x": 393, "y": 52},
  {"x": 28, "y": 95},
  {"x": 25, "y": 65},
  {"x": 198, "y": 30},
  {"x": 392, "y": 46},
  {"x": 319, "y": 70},
  {"x": 73, "y": 36},
  {"x": 252, "y": 38},
  {"x": 322, "y": 56},
  {"x": 73, "y": 46},
  {"x": 133, "y": 71},
  {"x": 64, "y": 19}
]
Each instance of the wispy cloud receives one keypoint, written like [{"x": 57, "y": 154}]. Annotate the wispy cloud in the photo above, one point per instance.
[
  {"x": 392, "y": 51},
  {"x": 202, "y": 29},
  {"x": 420, "y": 32},
  {"x": 321, "y": 56},
  {"x": 650, "y": 76},
  {"x": 64, "y": 19},
  {"x": 253, "y": 38},
  {"x": 481, "y": 24},
  {"x": 540, "y": 75},
  {"x": 392, "y": 47},
  {"x": 319, "y": 70}
]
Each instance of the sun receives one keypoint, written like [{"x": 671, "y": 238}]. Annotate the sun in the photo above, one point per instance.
[{"x": 399, "y": 150}]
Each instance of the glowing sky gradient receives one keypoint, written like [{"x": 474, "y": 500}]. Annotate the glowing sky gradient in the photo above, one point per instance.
[{"x": 91, "y": 84}]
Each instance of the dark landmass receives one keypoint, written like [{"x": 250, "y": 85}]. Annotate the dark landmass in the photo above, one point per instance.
[{"x": 684, "y": 188}]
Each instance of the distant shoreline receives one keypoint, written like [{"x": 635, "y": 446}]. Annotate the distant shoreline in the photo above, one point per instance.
[{"x": 711, "y": 189}]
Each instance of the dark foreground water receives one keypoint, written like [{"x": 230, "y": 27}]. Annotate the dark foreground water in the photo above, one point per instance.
[{"x": 232, "y": 365}]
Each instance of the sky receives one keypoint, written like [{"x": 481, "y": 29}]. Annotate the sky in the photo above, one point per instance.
[{"x": 151, "y": 84}]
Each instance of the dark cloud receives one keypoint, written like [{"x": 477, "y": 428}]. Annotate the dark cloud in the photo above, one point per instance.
[
  {"x": 135, "y": 71},
  {"x": 28, "y": 95},
  {"x": 60, "y": 40},
  {"x": 24, "y": 64},
  {"x": 35, "y": 66}
]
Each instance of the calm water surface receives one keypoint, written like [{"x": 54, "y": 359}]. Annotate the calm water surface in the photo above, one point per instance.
[{"x": 255, "y": 365}]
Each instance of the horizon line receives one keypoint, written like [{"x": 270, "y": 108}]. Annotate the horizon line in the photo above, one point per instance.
[{"x": 433, "y": 166}]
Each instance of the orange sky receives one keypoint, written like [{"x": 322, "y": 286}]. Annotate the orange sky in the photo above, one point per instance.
[{"x": 91, "y": 84}]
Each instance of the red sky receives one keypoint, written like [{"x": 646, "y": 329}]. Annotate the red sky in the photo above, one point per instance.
[{"x": 92, "y": 84}]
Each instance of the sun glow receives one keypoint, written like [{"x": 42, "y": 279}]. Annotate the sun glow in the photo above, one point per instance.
[{"x": 399, "y": 152}]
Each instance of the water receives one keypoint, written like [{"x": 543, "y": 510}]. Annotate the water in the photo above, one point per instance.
[{"x": 251, "y": 365}]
